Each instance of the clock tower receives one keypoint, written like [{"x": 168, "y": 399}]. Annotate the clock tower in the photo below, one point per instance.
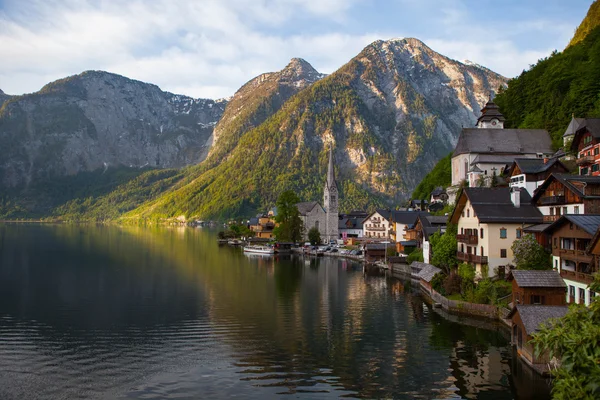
[{"x": 491, "y": 117}]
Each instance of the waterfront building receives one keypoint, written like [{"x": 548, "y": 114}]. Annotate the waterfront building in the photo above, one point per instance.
[
  {"x": 378, "y": 225},
  {"x": 568, "y": 194},
  {"x": 402, "y": 223},
  {"x": 325, "y": 218},
  {"x": 426, "y": 275},
  {"x": 426, "y": 226},
  {"x": 530, "y": 173},
  {"x": 571, "y": 237},
  {"x": 538, "y": 287},
  {"x": 489, "y": 147},
  {"x": 526, "y": 319},
  {"x": 350, "y": 227},
  {"x": 586, "y": 144},
  {"x": 489, "y": 220},
  {"x": 263, "y": 225}
]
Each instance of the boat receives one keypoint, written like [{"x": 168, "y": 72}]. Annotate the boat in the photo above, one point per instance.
[
  {"x": 259, "y": 249},
  {"x": 234, "y": 242},
  {"x": 222, "y": 241}
]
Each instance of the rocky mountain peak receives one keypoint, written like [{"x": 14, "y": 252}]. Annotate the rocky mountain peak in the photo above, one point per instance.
[{"x": 299, "y": 71}]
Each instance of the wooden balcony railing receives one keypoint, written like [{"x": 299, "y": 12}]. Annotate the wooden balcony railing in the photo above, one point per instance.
[
  {"x": 471, "y": 258},
  {"x": 576, "y": 276},
  {"x": 376, "y": 228},
  {"x": 547, "y": 200},
  {"x": 468, "y": 239},
  {"x": 585, "y": 160}
]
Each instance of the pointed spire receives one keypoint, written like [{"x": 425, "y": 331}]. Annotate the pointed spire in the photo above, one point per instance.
[{"x": 330, "y": 171}]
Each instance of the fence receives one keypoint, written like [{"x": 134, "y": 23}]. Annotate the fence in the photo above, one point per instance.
[{"x": 463, "y": 307}]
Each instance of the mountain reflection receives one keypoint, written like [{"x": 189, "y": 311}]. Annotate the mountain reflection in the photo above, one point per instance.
[{"x": 167, "y": 296}]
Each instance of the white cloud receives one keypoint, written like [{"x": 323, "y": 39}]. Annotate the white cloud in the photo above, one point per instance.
[{"x": 209, "y": 48}]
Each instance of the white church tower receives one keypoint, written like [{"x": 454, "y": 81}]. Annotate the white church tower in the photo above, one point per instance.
[{"x": 330, "y": 202}]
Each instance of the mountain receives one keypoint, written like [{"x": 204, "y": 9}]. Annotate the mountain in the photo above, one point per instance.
[
  {"x": 591, "y": 21},
  {"x": 3, "y": 97},
  {"x": 556, "y": 88},
  {"x": 98, "y": 120},
  {"x": 390, "y": 113},
  {"x": 257, "y": 100}
]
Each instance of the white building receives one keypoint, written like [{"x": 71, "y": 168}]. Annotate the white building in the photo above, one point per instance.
[
  {"x": 378, "y": 225},
  {"x": 530, "y": 173}
]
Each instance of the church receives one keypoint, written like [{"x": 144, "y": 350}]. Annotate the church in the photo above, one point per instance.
[
  {"x": 489, "y": 148},
  {"x": 324, "y": 218}
]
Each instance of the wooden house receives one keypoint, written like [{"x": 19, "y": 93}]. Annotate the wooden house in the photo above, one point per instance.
[
  {"x": 426, "y": 275},
  {"x": 571, "y": 237},
  {"x": 376, "y": 251},
  {"x": 263, "y": 226},
  {"x": 568, "y": 194},
  {"x": 526, "y": 319},
  {"x": 538, "y": 287},
  {"x": 530, "y": 173},
  {"x": 586, "y": 144}
]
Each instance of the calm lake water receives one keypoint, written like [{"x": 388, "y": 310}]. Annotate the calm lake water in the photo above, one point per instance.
[{"x": 109, "y": 312}]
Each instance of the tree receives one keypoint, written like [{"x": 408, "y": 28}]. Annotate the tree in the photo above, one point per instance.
[
  {"x": 529, "y": 254},
  {"x": 289, "y": 227},
  {"x": 574, "y": 339},
  {"x": 443, "y": 250},
  {"x": 314, "y": 236}
]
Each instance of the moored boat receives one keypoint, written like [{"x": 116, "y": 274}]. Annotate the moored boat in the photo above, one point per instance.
[
  {"x": 258, "y": 249},
  {"x": 234, "y": 242}
]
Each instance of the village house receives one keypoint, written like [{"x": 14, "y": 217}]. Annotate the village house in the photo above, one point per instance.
[
  {"x": 568, "y": 194},
  {"x": 530, "y": 173},
  {"x": 489, "y": 220},
  {"x": 378, "y": 225},
  {"x": 426, "y": 275},
  {"x": 571, "y": 129},
  {"x": 263, "y": 225},
  {"x": 402, "y": 222},
  {"x": 570, "y": 238},
  {"x": 488, "y": 148},
  {"x": 537, "y": 297},
  {"x": 586, "y": 144},
  {"x": 325, "y": 218},
  {"x": 350, "y": 227},
  {"x": 438, "y": 195},
  {"x": 426, "y": 226},
  {"x": 418, "y": 205}
]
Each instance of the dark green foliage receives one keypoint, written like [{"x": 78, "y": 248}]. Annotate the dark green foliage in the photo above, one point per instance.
[
  {"x": 437, "y": 283},
  {"x": 314, "y": 236},
  {"x": 574, "y": 339},
  {"x": 452, "y": 283},
  {"x": 416, "y": 255},
  {"x": 546, "y": 96},
  {"x": 443, "y": 250},
  {"x": 288, "y": 217},
  {"x": 440, "y": 175}
]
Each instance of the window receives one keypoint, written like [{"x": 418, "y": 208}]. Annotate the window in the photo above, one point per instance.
[
  {"x": 468, "y": 213},
  {"x": 333, "y": 197},
  {"x": 565, "y": 211},
  {"x": 502, "y": 253},
  {"x": 591, "y": 293},
  {"x": 576, "y": 210},
  {"x": 596, "y": 151},
  {"x": 555, "y": 242},
  {"x": 519, "y": 233},
  {"x": 317, "y": 224},
  {"x": 557, "y": 210},
  {"x": 581, "y": 296},
  {"x": 555, "y": 263},
  {"x": 595, "y": 167},
  {"x": 502, "y": 233},
  {"x": 481, "y": 233},
  {"x": 482, "y": 251},
  {"x": 584, "y": 171},
  {"x": 537, "y": 299},
  {"x": 551, "y": 210},
  {"x": 571, "y": 226},
  {"x": 572, "y": 291}
]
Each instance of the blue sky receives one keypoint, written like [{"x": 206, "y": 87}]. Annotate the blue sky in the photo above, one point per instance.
[{"x": 209, "y": 48}]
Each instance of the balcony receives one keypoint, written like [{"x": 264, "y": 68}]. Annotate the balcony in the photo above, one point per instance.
[
  {"x": 548, "y": 200},
  {"x": 576, "y": 276},
  {"x": 376, "y": 228},
  {"x": 471, "y": 258},
  {"x": 468, "y": 239},
  {"x": 585, "y": 160},
  {"x": 551, "y": 218}
]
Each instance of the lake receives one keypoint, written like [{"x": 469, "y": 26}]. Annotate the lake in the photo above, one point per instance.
[{"x": 96, "y": 312}]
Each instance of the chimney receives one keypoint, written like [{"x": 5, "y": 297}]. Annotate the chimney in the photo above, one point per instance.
[
  {"x": 515, "y": 197},
  {"x": 545, "y": 160}
]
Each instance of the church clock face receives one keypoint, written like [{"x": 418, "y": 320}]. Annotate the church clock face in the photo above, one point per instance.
[{"x": 494, "y": 122}]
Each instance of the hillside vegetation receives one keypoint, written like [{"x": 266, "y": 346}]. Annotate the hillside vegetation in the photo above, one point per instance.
[
  {"x": 589, "y": 23},
  {"x": 554, "y": 89},
  {"x": 440, "y": 175}
]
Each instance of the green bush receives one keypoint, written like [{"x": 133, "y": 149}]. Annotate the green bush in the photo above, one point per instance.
[{"x": 416, "y": 255}]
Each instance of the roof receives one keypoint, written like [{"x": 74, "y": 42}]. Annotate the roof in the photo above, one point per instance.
[
  {"x": 495, "y": 205},
  {"x": 384, "y": 213},
  {"x": 438, "y": 191},
  {"x": 253, "y": 221},
  {"x": 350, "y": 223},
  {"x": 591, "y": 125},
  {"x": 490, "y": 111},
  {"x": 306, "y": 207},
  {"x": 428, "y": 272},
  {"x": 534, "y": 278},
  {"x": 378, "y": 246},
  {"x": 534, "y": 315},
  {"x": 406, "y": 217},
  {"x": 588, "y": 222},
  {"x": 573, "y": 126},
  {"x": 536, "y": 228},
  {"x": 331, "y": 172},
  {"x": 536, "y": 165},
  {"x": 507, "y": 141},
  {"x": 493, "y": 159},
  {"x": 409, "y": 243},
  {"x": 575, "y": 183},
  {"x": 435, "y": 219}
]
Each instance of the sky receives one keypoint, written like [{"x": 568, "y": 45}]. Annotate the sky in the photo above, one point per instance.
[{"x": 210, "y": 48}]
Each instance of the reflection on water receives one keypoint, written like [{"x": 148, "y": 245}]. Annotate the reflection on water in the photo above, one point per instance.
[{"x": 104, "y": 312}]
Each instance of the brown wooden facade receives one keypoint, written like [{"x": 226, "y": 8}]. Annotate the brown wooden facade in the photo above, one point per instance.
[
  {"x": 570, "y": 243},
  {"x": 549, "y": 296}
]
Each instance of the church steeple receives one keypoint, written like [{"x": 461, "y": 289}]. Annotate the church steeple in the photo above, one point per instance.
[
  {"x": 330, "y": 171},
  {"x": 491, "y": 117}
]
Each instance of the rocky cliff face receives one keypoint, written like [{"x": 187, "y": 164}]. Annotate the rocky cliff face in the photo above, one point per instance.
[
  {"x": 96, "y": 120},
  {"x": 257, "y": 100},
  {"x": 391, "y": 113},
  {"x": 3, "y": 97}
]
